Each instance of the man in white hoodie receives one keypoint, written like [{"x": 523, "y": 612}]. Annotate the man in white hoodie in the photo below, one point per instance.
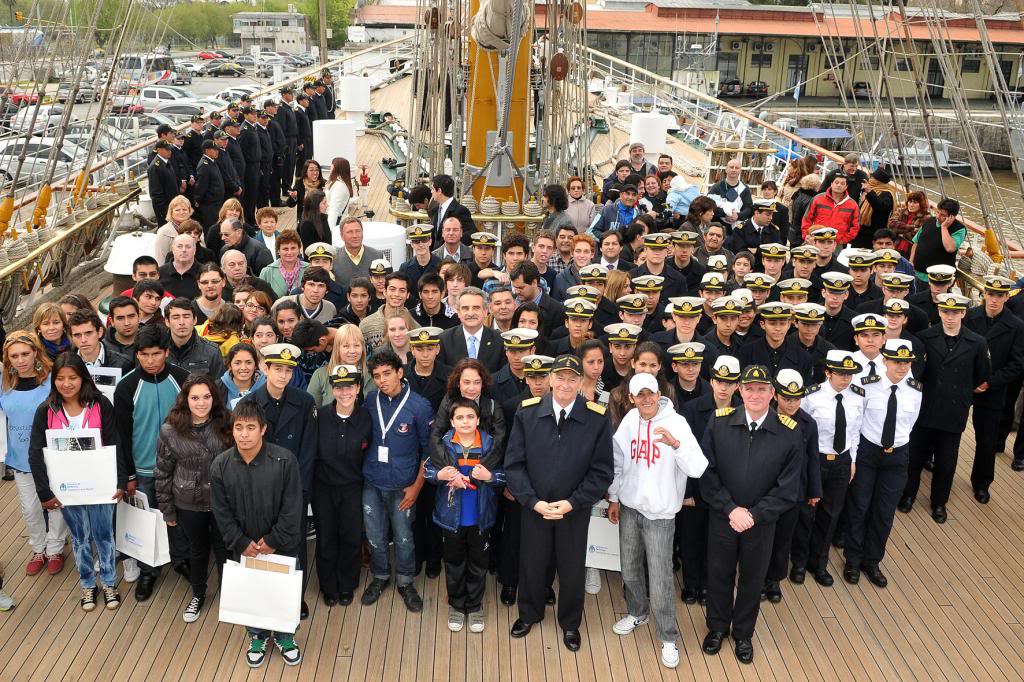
[{"x": 654, "y": 452}]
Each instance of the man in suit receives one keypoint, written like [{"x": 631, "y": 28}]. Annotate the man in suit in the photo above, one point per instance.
[
  {"x": 471, "y": 339},
  {"x": 209, "y": 190},
  {"x": 445, "y": 206},
  {"x": 757, "y": 230},
  {"x": 252, "y": 151},
  {"x": 526, "y": 284},
  {"x": 304, "y": 125},
  {"x": 163, "y": 183},
  {"x": 290, "y": 127}
]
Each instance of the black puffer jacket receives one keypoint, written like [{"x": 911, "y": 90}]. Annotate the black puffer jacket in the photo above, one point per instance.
[{"x": 183, "y": 468}]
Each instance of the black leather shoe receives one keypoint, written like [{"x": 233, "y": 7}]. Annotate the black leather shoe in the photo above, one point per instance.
[
  {"x": 906, "y": 504},
  {"x": 713, "y": 642},
  {"x": 330, "y": 600},
  {"x": 797, "y": 575},
  {"x": 824, "y": 578},
  {"x": 520, "y": 628},
  {"x": 744, "y": 651},
  {"x": 373, "y": 591},
  {"x": 433, "y": 570},
  {"x": 690, "y": 596},
  {"x": 851, "y": 575},
  {"x": 876, "y": 576},
  {"x": 549, "y": 596},
  {"x": 773, "y": 591},
  {"x": 838, "y": 540},
  {"x": 508, "y": 595},
  {"x": 929, "y": 465},
  {"x": 345, "y": 598},
  {"x": 411, "y": 597},
  {"x": 8, "y": 474},
  {"x": 144, "y": 588},
  {"x": 304, "y": 612},
  {"x": 571, "y": 639},
  {"x": 764, "y": 594},
  {"x": 982, "y": 496},
  {"x": 702, "y": 597},
  {"x": 1016, "y": 465},
  {"x": 939, "y": 514}
]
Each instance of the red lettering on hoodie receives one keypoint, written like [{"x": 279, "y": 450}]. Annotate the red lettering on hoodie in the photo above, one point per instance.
[{"x": 644, "y": 448}]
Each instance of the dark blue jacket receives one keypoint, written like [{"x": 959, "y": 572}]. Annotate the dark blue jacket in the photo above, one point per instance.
[
  {"x": 407, "y": 440},
  {"x": 295, "y": 428},
  {"x": 447, "y": 515}
]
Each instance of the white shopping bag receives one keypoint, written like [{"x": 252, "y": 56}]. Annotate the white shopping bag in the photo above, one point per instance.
[
  {"x": 602, "y": 540},
  {"x": 82, "y": 477},
  {"x": 264, "y": 592},
  {"x": 141, "y": 533}
]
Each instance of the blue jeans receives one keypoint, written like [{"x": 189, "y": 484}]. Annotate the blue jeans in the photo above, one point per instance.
[
  {"x": 91, "y": 523},
  {"x": 381, "y": 514}
]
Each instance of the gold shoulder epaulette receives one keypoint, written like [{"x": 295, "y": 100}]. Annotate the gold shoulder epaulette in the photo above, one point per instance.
[
  {"x": 859, "y": 390},
  {"x": 530, "y": 401},
  {"x": 596, "y": 407},
  {"x": 915, "y": 384},
  {"x": 788, "y": 422},
  {"x": 724, "y": 411},
  {"x": 1014, "y": 292},
  {"x": 871, "y": 380},
  {"x": 813, "y": 388}
]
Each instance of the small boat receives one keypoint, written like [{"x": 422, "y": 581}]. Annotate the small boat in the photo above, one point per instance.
[{"x": 919, "y": 162}]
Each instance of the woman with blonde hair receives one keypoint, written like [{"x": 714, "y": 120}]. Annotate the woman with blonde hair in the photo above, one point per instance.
[
  {"x": 339, "y": 191},
  {"x": 51, "y": 326},
  {"x": 24, "y": 388},
  {"x": 618, "y": 284},
  {"x": 349, "y": 349},
  {"x": 178, "y": 211},
  {"x": 396, "y": 334},
  {"x": 223, "y": 328}
]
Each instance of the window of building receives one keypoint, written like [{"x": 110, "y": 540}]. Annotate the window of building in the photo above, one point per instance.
[
  {"x": 970, "y": 65},
  {"x": 903, "y": 64},
  {"x": 728, "y": 65},
  {"x": 761, "y": 60},
  {"x": 869, "y": 62}
]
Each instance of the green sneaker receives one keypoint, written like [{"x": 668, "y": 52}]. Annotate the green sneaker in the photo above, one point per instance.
[
  {"x": 257, "y": 652},
  {"x": 289, "y": 649}
]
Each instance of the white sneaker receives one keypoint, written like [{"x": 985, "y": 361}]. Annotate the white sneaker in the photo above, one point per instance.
[
  {"x": 131, "y": 570},
  {"x": 592, "y": 583},
  {"x": 6, "y": 603},
  {"x": 628, "y": 624},
  {"x": 456, "y": 619},
  {"x": 669, "y": 654}
]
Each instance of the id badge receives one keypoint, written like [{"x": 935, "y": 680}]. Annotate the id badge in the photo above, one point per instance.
[{"x": 382, "y": 454}]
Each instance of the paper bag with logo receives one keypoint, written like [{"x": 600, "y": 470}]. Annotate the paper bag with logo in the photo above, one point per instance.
[
  {"x": 602, "y": 540},
  {"x": 141, "y": 533},
  {"x": 82, "y": 477},
  {"x": 264, "y": 592}
]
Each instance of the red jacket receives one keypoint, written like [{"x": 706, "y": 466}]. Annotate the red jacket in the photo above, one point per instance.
[{"x": 824, "y": 211}]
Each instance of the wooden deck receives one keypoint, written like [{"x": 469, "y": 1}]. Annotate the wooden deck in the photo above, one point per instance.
[{"x": 954, "y": 610}]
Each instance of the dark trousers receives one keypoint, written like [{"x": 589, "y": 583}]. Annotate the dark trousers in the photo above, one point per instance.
[
  {"x": 427, "y": 535},
  {"x": 871, "y": 502},
  {"x": 1006, "y": 417},
  {"x": 250, "y": 191},
  {"x": 288, "y": 169},
  {"x": 944, "y": 446},
  {"x": 266, "y": 178},
  {"x": 303, "y": 550},
  {"x": 465, "y": 567},
  {"x": 782, "y": 543},
  {"x": 734, "y": 604},
  {"x": 818, "y": 523},
  {"x": 508, "y": 557},
  {"x": 206, "y": 214},
  {"x": 565, "y": 541},
  {"x": 693, "y": 547},
  {"x": 200, "y": 528},
  {"x": 986, "y": 420},
  {"x": 338, "y": 511}
]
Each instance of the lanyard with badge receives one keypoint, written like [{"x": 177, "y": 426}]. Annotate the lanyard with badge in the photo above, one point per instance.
[{"x": 382, "y": 450}]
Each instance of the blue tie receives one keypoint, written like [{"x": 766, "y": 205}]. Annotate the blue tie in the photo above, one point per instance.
[{"x": 472, "y": 347}]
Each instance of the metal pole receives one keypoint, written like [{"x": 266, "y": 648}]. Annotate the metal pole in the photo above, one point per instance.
[{"x": 322, "y": 4}]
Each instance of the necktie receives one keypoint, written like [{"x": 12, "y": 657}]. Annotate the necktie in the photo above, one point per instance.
[
  {"x": 561, "y": 420},
  {"x": 889, "y": 425},
  {"x": 472, "y": 347},
  {"x": 753, "y": 428},
  {"x": 839, "y": 437},
  {"x": 871, "y": 368}
]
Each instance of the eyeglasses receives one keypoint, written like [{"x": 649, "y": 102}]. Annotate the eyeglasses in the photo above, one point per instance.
[{"x": 249, "y": 305}]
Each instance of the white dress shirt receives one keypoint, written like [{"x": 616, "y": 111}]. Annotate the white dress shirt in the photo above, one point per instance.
[
  {"x": 821, "y": 405},
  {"x": 479, "y": 336},
  {"x": 568, "y": 408},
  {"x": 759, "y": 422},
  {"x": 908, "y": 401},
  {"x": 864, "y": 362},
  {"x": 441, "y": 210}
]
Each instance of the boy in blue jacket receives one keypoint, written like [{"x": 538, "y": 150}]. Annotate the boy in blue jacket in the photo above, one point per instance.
[{"x": 467, "y": 511}]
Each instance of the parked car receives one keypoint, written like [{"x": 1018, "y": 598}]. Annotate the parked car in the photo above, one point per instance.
[
  {"x": 192, "y": 68},
  {"x": 180, "y": 112},
  {"x": 213, "y": 54},
  {"x": 757, "y": 89},
  {"x": 730, "y": 87},
  {"x": 235, "y": 92},
  {"x": 138, "y": 126},
  {"x": 226, "y": 69},
  {"x": 245, "y": 61},
  {"x": 861, "y": 89},
  {"x": 49, "y": 117},
  {"x": 37, "y": 153},
  {"x": 19, "y": 98},
  {"x": 86, "y": 92}
]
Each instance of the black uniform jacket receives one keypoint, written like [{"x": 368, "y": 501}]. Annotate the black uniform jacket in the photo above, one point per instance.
[
  {"x": 341, "y": 445},
  {"x": 759, "y": 471},
  {"x": 1005, "y": 337},
  {"x": 295, "y": 428},
  {"x": 545, "y": 462},
  {"x": 790, "y": 356},
  {"x": 950, "y": 377}
]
